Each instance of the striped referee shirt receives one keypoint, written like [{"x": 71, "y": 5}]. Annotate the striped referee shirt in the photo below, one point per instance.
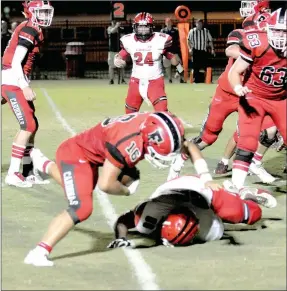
[{"x": 199, "y": 38}]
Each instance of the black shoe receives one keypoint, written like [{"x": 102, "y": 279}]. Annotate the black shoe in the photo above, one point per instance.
[
  {"x": 123, "y": 81},
  {"x": 221, "y": 169},
  {"x": 285, "y": 170},
  {"x": 170, "y": 81},
  {"x": 182, "y": 81},
  {"x": 111, "y": 82}
]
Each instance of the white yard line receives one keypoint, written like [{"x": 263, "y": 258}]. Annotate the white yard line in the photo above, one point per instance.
[
  {"x": 146, "y": 277},
  {"x": 187, "y": 124}
]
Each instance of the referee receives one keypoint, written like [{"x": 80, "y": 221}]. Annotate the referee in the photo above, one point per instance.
[
  {"x": 199, "y": 39},
  {"x": 175, "y": 49}
]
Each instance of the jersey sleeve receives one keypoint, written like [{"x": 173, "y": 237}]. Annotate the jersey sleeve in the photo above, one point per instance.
[
  {"x": 28, "y": 37},
  {"x": 125, "y": 154},
  {"x": 234, "y": 37},
  {"x": 167, "y": 48},
  {"x": 124, "y": 43},
  {"x": 246, "y": 51}
]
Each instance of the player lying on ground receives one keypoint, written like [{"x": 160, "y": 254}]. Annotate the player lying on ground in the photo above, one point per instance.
[
  {"x": 17, "y": 64},
  {"x": 146, "y": 49},
  {"x": 263, "y": 90},
  {"x": 183, "y": 209},
  {"x": 116, "y": 144}
]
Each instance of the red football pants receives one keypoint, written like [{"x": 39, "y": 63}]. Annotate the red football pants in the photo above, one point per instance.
[
  {"x": 221, "y": 106},
  {"x": 155, "y": 92},
  {"x": 250, "y": 126},
  {"x": 23, "y": 110},
  {"x": 79, "y": 179}
]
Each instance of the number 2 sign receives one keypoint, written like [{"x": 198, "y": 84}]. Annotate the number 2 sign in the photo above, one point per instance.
[{"x": 118, "y": 11}]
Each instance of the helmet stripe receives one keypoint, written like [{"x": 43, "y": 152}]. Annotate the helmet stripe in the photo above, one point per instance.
[{"x": 176, "y": 137}]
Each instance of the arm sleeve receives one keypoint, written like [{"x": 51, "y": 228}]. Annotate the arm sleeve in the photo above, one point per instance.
[
  {"x": 19, "y": 55},
  {"x": 167, "y": 48},
  {"x": 234, "y": 37},
  {"x": 209, "y": 36},
  {"x": 246, "y": 52},
  {"x": 28, "y": 36}
]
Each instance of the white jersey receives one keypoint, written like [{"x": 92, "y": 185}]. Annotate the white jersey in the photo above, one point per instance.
[
  {"x": 146, "y": 56},
  {"x": 173, "y": 193}
]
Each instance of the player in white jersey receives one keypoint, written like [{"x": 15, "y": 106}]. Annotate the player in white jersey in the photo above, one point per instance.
[
  {"x": 183, "y": 209},
  {"x": 146, "y": 49}
]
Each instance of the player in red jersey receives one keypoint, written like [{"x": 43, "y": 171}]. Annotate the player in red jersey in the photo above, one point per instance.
[
  {"x": 263, "y": 90},
  {"x": 183, "y": 209},
  {"x": 17, "y": 64},
  {"x": 225, "y": 102},
  {"x": 146, "y": 49},
  {"x": 116, "y": 144}
]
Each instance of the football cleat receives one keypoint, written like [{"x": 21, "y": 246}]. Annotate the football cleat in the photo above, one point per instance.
[
  {"x": 38, "y": 258},
  {"x": 37, "y": 180},
  {"x": 221, "y": 169},
  {"x": 260, "y": 196},
  {"x": 261, "y": 173},
  {"x": 17, "y": 180}
]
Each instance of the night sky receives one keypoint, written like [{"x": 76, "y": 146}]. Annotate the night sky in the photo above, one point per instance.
[{"x": 103, "y": 7}]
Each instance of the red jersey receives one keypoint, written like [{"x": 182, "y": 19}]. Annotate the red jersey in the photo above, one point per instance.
[
  {"x": 28, "y": 35},
  {"x": 267, "y": 74},
  {"x": 116, "y": 139},
  {"x": 234, "y": 37}
]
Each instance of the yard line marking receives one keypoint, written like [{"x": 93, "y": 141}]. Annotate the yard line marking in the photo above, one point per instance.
[
  {"x": 145, "y": 275},
  {"x": 186, "y": 123}
]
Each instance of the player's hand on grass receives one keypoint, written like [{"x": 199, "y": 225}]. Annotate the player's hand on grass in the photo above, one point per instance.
[
  {"x": 119, "y": 243},
  {"x": 213, "y": 185},
  {"x": 29, "y": 94},
  {"x": 133, "y": 187},
  {"x": 166, "y": 243},
  {"x": 241, "y": 91}
]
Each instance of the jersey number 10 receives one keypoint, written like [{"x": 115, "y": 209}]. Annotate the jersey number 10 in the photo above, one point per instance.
[{"x": 143, "y": 60}]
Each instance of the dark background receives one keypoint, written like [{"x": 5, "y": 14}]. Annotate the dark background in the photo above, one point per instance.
[{"x": 103, "y": 7}]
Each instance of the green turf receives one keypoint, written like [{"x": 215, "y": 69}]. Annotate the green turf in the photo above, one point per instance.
[{"x": 248, "y": 258}]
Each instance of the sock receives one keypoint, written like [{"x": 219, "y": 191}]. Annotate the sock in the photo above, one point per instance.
[
  {"x": 239, "y": 173},
  {"x": 184, "y": 156},
  {"x": 27, "y": 161},
  {"x": 43, "y": 247},
  {"x": 225, "y": 161},
  {"x": 16, "y": 158},
  {"x": 257, "y": 158}
]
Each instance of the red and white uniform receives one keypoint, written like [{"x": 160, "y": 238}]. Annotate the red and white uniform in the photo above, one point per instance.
[
  {"x": 266, "y": 78},
  {"x": 210, "y": 207},
  {"x": 147, "y": 82},
  {"x": 17, "y": 63}
]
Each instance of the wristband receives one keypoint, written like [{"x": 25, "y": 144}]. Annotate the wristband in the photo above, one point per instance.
[
  {"x": 206, "y": 177},
  {"x": 201, "y": 167},
  {"x": 237, "y": 87}
]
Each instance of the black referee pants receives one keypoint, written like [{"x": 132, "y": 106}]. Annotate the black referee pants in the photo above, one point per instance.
[{"x": 200, "y": 61}]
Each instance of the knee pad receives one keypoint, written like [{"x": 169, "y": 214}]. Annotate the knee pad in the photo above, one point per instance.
[
  {"x": 80, "y": 212},
  {"x": 266, "y": 139},
  {"x": 244, "y": 156},
  {"x": 160, "y": 104},
  {"x": 253, "y": 212}
]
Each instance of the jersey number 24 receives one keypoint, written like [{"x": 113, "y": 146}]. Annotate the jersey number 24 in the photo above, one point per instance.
[{"x": 143, "y": 58}]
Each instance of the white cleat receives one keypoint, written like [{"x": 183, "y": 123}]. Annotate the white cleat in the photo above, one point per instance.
[
  {"x": 175, "y": 168},
  {"x": 17, "y": 180},
  {"x": 260, "y": 196},
  {"x": 38, "y": 159},
  {"x": 37, "y": 259},
  {"x": 37, "y": 180},
  {"x": 261, "y": 173}
]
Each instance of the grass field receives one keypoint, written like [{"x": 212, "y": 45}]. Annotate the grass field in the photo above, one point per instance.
[{"x": 252, "y": 258}]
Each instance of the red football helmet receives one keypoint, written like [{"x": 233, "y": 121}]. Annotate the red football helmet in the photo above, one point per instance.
[
  {"x": 162, "y": 134},
  {"x": 143, "y": 26},
  {"x": 256, "y": 21},
  {"x": 277, "y": 29},
  {"x": 250, "y": 7},
  {"x": 39, "y": 12},
  {"x": 180, "y": 228}
]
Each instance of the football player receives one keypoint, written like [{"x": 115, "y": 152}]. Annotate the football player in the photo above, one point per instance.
[
  {"x": 146, "y": 49},
  {"x": 225, "y": 102},
  {"x": 17, "y": 64},
  {"x": 184, "y": 209},
  {"x": 254, "y": 7},
  {"x": 116, "y": 144},
  {"x": 263, "y": 90}
]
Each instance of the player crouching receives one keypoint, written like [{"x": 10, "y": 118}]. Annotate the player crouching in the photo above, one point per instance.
[{"x": 185, "y": 210}]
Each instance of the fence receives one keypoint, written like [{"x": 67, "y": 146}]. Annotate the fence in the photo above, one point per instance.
[{"x": 51, "y": 63}]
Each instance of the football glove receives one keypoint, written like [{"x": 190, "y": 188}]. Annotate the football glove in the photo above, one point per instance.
[
  {"x": 119, "y": 243},
  {"x": 133, "y": 187}
]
